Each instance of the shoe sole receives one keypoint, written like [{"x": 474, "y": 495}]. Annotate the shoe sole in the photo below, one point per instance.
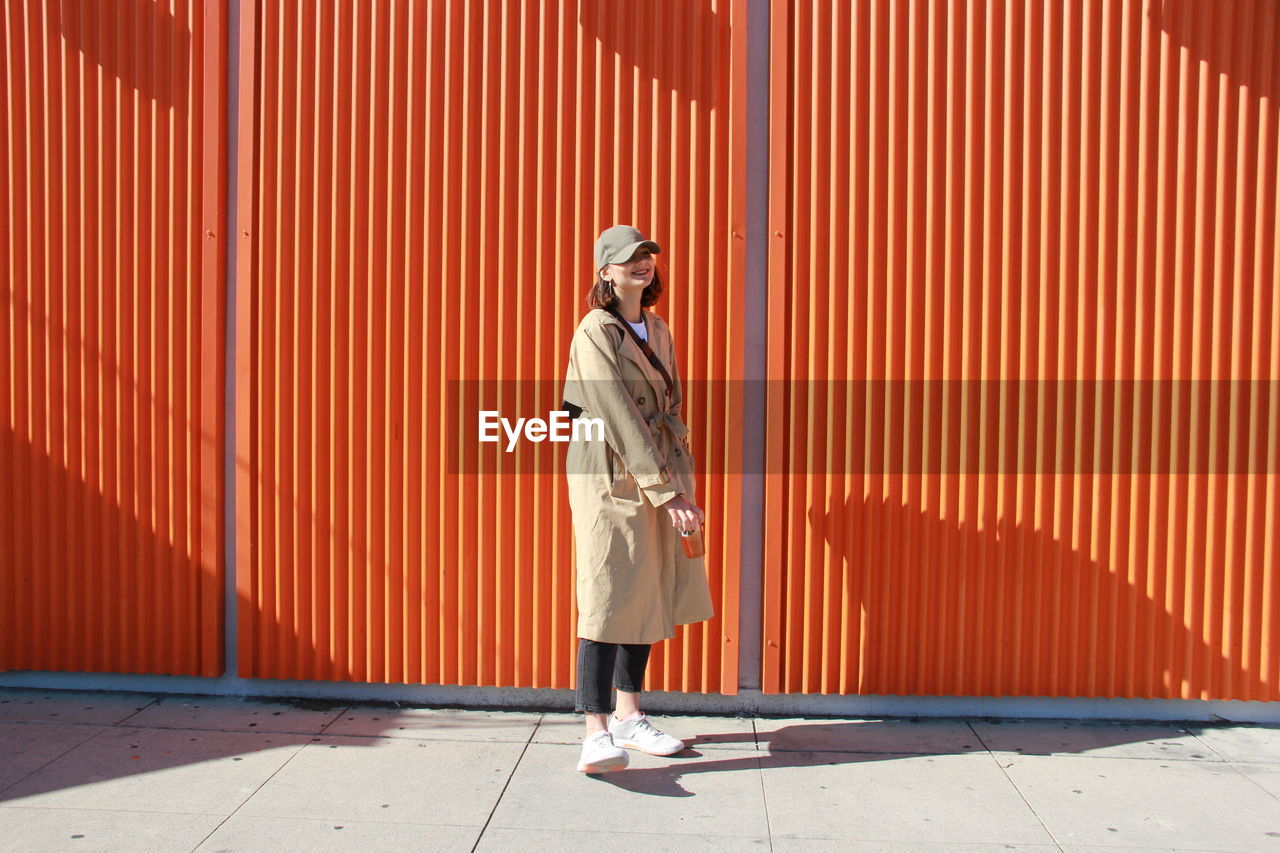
[
  {"x": 603, "y": 766},
  {"x": 626, "y": 744}
]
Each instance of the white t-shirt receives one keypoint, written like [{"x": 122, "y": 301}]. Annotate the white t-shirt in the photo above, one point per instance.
[{"x": 640, "y": 329}]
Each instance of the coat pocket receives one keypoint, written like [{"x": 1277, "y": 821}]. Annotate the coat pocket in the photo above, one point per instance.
[
  {"x": 611, "y": 462},
  {"x": 622, "y": 485}
]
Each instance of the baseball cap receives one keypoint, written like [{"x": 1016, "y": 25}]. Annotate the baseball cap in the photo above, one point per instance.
[{"x": 617, "y": 244}]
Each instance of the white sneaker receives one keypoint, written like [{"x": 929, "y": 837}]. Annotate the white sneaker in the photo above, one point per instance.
[
  {"x": 636, "y": 732},
  {"x": 599, "y": 755}
]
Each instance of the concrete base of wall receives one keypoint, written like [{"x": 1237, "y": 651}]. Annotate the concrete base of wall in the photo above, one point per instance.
[{"x": 747, "y": 702}]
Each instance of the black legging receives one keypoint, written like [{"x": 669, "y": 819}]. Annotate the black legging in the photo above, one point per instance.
[{"x": 600, "y": 663}]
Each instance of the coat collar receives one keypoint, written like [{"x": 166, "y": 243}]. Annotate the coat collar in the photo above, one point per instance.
[{"x": 631, "y": 350}]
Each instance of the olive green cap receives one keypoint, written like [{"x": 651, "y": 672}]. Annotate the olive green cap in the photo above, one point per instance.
[{"x": 616, "y": 245}]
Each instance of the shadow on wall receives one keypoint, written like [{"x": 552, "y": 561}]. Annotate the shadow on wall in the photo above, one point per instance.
[
  {"x": 136, "y": 41},
  {"x": 1203, "y": 28},
  {"x": 105, "y": 571},
  {"x": 1071, "y": 616},
  {"x": 635, "y": 31},
  {"x": 89, "y": 571},
  {"x": 94, "y": 585}
]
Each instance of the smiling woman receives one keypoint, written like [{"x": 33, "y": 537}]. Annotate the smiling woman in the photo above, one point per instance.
[
  {"x": 632, "y": 499},
  {"x": 636, "y": 268}
]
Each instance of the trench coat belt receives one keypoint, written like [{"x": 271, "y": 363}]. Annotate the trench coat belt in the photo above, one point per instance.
[{"x": 671, "y": 422}]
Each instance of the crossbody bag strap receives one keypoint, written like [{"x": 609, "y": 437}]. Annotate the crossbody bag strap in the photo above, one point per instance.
[{"x": 647, "y": 350}]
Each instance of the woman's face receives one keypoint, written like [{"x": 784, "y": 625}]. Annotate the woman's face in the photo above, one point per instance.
[{"x": 637, "y": 272}]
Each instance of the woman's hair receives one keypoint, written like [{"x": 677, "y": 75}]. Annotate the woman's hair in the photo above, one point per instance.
[{"x": 602, "y": 294}]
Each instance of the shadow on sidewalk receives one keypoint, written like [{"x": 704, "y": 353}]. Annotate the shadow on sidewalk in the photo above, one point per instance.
[
  {"x": 52, "y": 740},
  {"x": 829, "y": 743}
]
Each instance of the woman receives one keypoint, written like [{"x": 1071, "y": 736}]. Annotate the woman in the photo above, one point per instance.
[{"x": 631, "y": 495}]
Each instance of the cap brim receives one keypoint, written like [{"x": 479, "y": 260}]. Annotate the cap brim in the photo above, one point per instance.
[{"x": 624, "y": 254}]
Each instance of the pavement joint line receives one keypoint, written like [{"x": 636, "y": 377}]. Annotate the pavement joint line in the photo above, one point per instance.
[
  {"x": 424, "y": 739},
  {"x": 931, "y": 752},
  {"x": 244, "y": 731},
  {"x": 57, "y": 757},
  {"x": 969, "y": 845},
  {"x": 364, "y": 822},
  {"x": 764, "y": 799},
  {"x": 1076, "y": 756},
  {"x": 345, "y": 710},
  {"x": 1252, "y": 781},
  {"x": 994, "y": 757},
  {"x": 106, "y": 811},
  {"x": 669, "y": 833},
  {"x": 1091, "y": 848},
  {"x": 1208, "y": 746},
  {"x": 56, "y": 723},
  {"x": 252, "y": 794},
  {"x": 237, "y": 731},
  {"x": 497, "y": 801},
  {"x": 128, "y": 717},
  {"x": 153, "y": 728},
  {"x": 1012, "y": 784}
]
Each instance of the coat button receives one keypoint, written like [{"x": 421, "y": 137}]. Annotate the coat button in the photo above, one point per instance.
[
  {"x": 677, "y": 451},
  {"x": 640, "y": 401}
]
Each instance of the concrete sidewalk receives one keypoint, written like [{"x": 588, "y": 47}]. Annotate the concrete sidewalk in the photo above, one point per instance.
[{"x": 134, "y": 772}]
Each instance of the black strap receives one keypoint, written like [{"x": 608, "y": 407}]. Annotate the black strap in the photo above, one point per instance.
[{"x": 646, "y": 349}]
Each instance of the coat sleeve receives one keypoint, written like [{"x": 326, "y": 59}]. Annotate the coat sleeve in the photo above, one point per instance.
[
  {"x": 677, "y": 409},
  {"x": 603, "y": 393},
  {"x": 677, "y": 390}
]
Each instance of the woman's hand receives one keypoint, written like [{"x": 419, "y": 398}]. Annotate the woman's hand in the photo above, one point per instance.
[{"x": 685, "y": 514}]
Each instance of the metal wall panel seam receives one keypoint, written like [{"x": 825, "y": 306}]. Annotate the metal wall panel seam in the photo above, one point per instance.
[
  {"x": 212, "y": 558},
  {"x": 230, "y": 452},
  {"x": 779, "y": 154},
  {"x": 246, "y": 339},
  {"x": 753, "y": 235}
]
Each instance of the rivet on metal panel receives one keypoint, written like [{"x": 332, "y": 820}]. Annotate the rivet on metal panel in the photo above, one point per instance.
[
  {"x": 777, "y": 233},
  {"x": 209, "y": 234},
  {"x": 244, "y": 233}
]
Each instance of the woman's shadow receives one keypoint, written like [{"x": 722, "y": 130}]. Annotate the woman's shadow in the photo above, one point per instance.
[
  {"x": 785, "y": 748},
  {"x": 820, "y": 743}
]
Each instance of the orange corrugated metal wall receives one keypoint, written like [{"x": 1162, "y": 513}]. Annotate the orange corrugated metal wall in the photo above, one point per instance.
[
  {"x": 957, "y": 191},
  {"x": 1042, "y": 193},
  {"x": 420, "y": 188},
  {"x": 111, "y": 336}
]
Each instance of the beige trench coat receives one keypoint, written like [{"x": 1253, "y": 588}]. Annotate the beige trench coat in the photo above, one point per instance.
[{"x": 634, "y": 582}]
